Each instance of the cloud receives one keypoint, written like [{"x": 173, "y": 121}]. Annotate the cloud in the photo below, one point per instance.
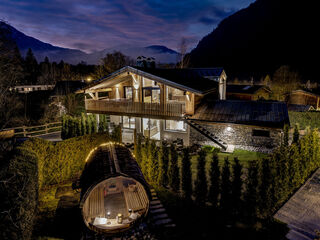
[{"x": 100, "y": 24}]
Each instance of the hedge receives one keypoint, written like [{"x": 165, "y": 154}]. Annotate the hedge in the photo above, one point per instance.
[
  {"x": 19, "y": 194},
  {"x": 62, "y": 161}
]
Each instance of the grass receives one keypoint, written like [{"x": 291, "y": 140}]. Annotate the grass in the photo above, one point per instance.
[
  {"x": 244, "y": 157},
  {"x": 305, "y": 119}
]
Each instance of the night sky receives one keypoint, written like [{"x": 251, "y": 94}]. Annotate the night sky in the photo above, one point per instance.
[{"x": 98, "y": 24}]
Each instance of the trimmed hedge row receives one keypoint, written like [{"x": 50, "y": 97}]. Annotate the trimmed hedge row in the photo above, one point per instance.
[
  {"x": 62, "y": 161},
  {"x": 19, "y": 194}
]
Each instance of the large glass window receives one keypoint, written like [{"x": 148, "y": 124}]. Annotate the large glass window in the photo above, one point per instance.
[
  {"x": 151, "y": 95},
  {"x": 128, "y": 92},
  {"x": 175, "y": 95},
  {"x": 151, "y": 128},
  {"x": 179, "y": 126},
  {"x": 129, "y": 122}
]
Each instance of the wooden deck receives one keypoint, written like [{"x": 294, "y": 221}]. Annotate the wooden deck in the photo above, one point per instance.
[{"x": 135, "y": 108}]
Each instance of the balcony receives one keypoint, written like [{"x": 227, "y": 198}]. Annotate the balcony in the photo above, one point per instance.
[{"x": 123, "y": 106}]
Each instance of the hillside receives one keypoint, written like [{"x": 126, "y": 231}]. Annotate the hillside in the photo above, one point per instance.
[
  {"x": 41, "y": 50},
  {"x": 262, "y": 37}
]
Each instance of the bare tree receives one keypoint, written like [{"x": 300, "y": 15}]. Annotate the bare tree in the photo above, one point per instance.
[{"x": 182, "y": 49}]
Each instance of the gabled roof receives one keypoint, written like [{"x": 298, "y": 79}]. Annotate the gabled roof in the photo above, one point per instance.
[
  {"x": 257, "y": 113},
  {"x": 197, "y": 80},
  {"x": 246, "y": 89}
]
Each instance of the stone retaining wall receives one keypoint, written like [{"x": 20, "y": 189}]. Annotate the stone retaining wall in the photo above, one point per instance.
[{"x": 238, "y": 135}]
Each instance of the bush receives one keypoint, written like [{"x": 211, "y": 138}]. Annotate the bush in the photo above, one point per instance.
[
  {"x": 63, "y": 161},
  {"x": 305, "y": 119},
  {"x": 19, "y": 195}
]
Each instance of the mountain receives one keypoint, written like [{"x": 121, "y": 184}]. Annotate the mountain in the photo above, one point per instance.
[
  {"x": 162, "y": 54},
  {"x": 41, "y": 50},
  {"x": 257, "y": 40}
]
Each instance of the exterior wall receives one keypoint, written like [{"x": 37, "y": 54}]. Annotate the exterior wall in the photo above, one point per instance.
[
  {"x": 302, "y": 98},
  {"x": 238, "y": 135}
]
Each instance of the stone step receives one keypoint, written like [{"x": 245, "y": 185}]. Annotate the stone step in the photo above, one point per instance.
[
  {"x": 159, "y": 216},
  {"x": 159, "y": 210},
  {"x": 163, "y": 221},
  {"x": 156, "y": 206},
  {"x": 154, "y": 202}
]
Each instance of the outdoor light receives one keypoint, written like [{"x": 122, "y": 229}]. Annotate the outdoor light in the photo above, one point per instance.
[
  {"x": 89, "y": 79},
  {"x": 229, "y": 129}
]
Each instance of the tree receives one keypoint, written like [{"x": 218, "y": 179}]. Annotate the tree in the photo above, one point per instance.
[
  {"x": 251, "y": 193},
  {"x": 225, "y": 200},
  {"x": 173, "y": 172},
  {"x": 182, "y": 48},
  {"x": 186, "y": 177},
  {"x": 201, "y": 187},
  {"x": 296, "y": 134},
  {"x": 163, "y": 165},
  {"x": 110, "y": 63},
  {"x": 286, "y": 135},
  {"x": 138, "y": 150},
  {"x": 145, "y": 157},
  {"x": 284, "y": 81},
  {"x": 236, "y": 185},
  {"x": 265, "y": 189},
  {"x": 31, "y": 67},
  {"x": 83, "y": 124},
  {"x": 214, "y": 176},
  {"x": 153, "y": 163}
]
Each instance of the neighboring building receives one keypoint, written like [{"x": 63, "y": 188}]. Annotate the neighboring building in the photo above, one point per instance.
[
  {"x": 304, "y": 97},
  {"x": 248, "y": 92},
  {"x": 167, "y": 104},
  {"x": 32, "y": 88}
]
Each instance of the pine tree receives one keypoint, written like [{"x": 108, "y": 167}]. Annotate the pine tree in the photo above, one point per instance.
[
  {"x": 186, "y": 177},
  {"x": 286, "y": 135},
  {"x": 138, "y": 150},
  {"x": 163, "y": 165},
  {"x": 201, "y": 187},
  {"x": 225, "y": 200},
  {"x": 173, "y": 172},
  {"x": 31, "y": 67},
  {"x": 236, "y": 186},
  {"x": 83, "y": 124},
  {"x": 265, "y": 189},
  {"x": 153, "y": 162},
  {"x": 145, "y": 157},
  {"x": 296, "y": 134},
  {"x": 214, "y": 190},
  {"x": 88, "y": 125},
  {"x": 251, "y": 193}
]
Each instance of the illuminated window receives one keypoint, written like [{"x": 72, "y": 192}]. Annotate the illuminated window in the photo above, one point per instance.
[
  {"x": 128, "y": 92},
  {"x": 129, "y": 122},
  {"x": 179, "y": 126}
]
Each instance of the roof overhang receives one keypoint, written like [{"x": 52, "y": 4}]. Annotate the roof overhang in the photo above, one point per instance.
[{"x": 126, "y": 73}]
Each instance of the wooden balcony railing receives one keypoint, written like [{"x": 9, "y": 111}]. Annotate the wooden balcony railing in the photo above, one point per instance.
[{"x": 138, "y": 108}]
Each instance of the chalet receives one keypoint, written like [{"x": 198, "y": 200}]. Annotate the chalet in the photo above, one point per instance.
[
  {"x": 304, "y": 97},
  {"x": 248, "y": 92},
  {"x": 187, "y": 104}
]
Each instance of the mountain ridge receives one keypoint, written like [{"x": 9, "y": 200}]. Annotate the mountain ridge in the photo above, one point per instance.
[{"x": 54, "y": 53}]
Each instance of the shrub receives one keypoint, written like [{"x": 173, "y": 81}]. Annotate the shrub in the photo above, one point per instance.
[{"x": 19, "y": 195}]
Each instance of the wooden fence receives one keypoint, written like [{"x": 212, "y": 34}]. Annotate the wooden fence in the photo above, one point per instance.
[{"x": 32, "y": 131}]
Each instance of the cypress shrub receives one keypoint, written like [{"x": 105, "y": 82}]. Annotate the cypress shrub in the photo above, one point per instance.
[
  {"x": 88, "y": 125},
  {"x": 251, "y": 193},
  {"x": 186, "y": 177},
  {"x": 225, "y": 200},
  {"x": 138, "y": 150},
  {"x": 286, "y": 135},
  {"x": 201, "y": 188},
  {"x": 94, "y": 127},
  {"x": 173, "y": 172},
  {"x": 214, "y": 176},
  {"x": 237, "y": 185},
  {"x": 145, "y": 157},
  {"x": 296, "y": 134},
  {"x": 153, "y": 162},
  {"x": 83, "y": 124},
  {"x": 163, "y": 165},
  {"x": 63, "y": 128},
  {"x": 265, "y": 189}
]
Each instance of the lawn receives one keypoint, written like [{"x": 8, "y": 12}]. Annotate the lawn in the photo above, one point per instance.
[{"x": 244, "y": 157}]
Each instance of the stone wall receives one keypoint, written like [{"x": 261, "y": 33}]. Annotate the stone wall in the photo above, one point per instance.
[{"x": 238, "y": 135}]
